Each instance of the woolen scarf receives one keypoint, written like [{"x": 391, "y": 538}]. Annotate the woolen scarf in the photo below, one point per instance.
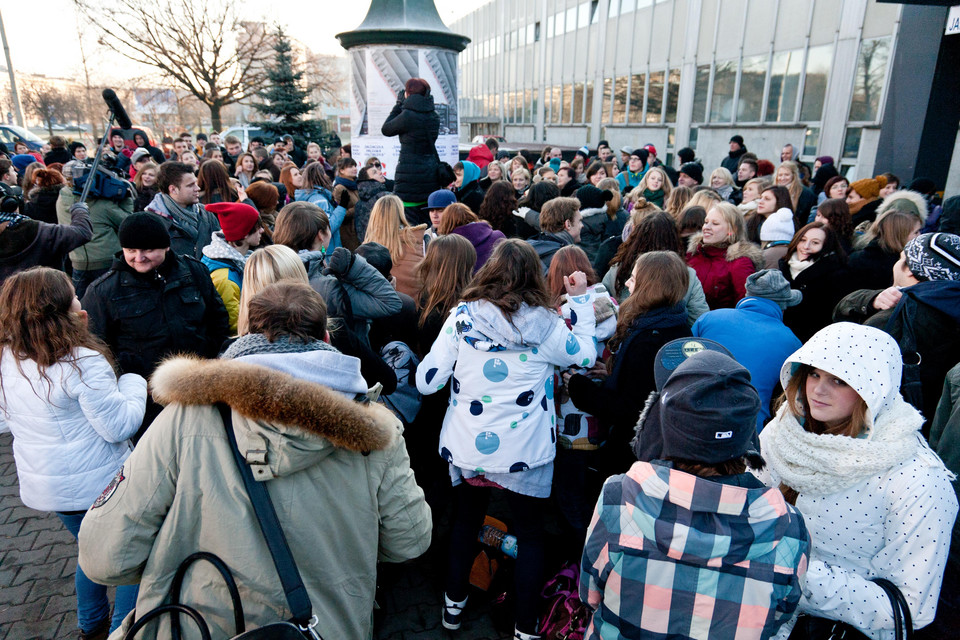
[
  {"x": 821, "y": 465},
  {"x": 797, "y": 266}
]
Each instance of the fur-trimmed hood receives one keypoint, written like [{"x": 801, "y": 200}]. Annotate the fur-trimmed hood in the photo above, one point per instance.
[
  {"x": 742, "y": 249},
  {"x": 913, "y": 197},
  {"x": 592, "y": 211},
  {"x": 282, "y": 407}
]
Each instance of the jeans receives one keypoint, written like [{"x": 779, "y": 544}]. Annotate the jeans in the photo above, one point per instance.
[
  {"x": 92, "y": 604},
  {"x": 471, "y": 507},
  {"x": 83, "y": 279}
]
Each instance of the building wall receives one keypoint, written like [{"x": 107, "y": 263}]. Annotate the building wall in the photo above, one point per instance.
[{"x": 676, "y": 72}]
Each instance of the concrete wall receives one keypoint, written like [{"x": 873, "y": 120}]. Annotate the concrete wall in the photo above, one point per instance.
[{"x": 713, "y": 143}]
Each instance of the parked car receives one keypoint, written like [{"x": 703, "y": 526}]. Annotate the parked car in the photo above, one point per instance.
[
  {"x": 10, "y": 133},
  {"x": 246, "y": 133}
]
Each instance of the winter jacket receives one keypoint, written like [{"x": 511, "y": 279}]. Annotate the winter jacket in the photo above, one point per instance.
[
  {"x": 547, "y": 244},
  {"x": 806, "y": 203},
  {"x": 732, "y": 161},
  {"x": 723, "y": 271},
  {"x": 895, "y": 524},
  {"x": 483, "y": 238},
  {"x": 871, "y": 267},
  {"x": 32, "y": 243},
  {"x": 368, "y": 192},
  {"x": 348, "y": 229},
  {"x": 672, "y": 555},
  {"x": 480, "y": 155},
  {"x": 59, "y": 154},
  {"x": 405, "y": 269},
  {"x": 186, "y": 238},
  {"x": 226, "y": 270},
  {"x": 501, "y": 417},
  {"x": 336, "y": 471},
  {"x": 335, "y": 213},
  {"x": 69, "y": 438},
  {"x": 41, "y": 204},
  {"x": 823, "y": 284},
  {"x": 105, "y": 218},
  {"x": 695, "y": 301},
  {"x": 144, "y": 197},
  {"x": 755, "y": 334},
  {"x": 618, "y": 400},
  {"x": 945, "y": 441},
  {"x": 416, "y": 122},
  {"x": 628, "y": 180},
  {"x": 597, "y": 227},
  {"x": 146, "y": 317}
]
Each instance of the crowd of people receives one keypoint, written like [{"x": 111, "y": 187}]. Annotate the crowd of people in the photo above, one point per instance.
[{"x": 735, "y": 389}]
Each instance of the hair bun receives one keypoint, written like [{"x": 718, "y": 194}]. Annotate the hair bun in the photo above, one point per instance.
[{"x": 640, "y": 203}]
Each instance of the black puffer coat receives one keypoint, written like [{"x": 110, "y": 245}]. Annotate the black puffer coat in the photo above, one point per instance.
[
  {"x": 368, "y": 191},
  {"x": 417, "y": 124}
]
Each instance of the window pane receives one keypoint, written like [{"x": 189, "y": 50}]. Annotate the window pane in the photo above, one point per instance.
[
  {"x": 620, "y": 100},
  {"x": 700, "y": 88},
  {"x": 784, "y": 80},
  {"x": 868, "y": 83},
  {"x": 626, "y": 6},
  {"x": 636, "y": 99},
  {"x": 567, "y": 103},
  {"x": 673, "y": 94},
  {"x": 584, "y": 15},
  {"x": 851, "y": 142},
  {"x": 555, "y": 105},
  {"x": 811, "y": 138},
  {"x": 724, "y": 81},
  {"x": 551, "y": 20},
  {"x": 578, "y": 102},
  {"x": 613, "y": 9},
  {"x": 571, "y": 19},
  {"x": 605, "y": 108},
  {"x": 752, "y": 77},
  {"x": 588, "y": 102},
  {"x": 819, "y": 60},
  {"x": 655, "y": 97}
]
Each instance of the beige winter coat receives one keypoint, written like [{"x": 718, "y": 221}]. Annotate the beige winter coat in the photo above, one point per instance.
[{"x": 340, "y": 482}]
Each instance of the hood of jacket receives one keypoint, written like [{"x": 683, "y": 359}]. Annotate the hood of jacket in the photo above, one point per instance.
[
  {"x": 298, "y": 420},
  {"x": 942, "y": 295},
  {"x": 529, "y": 327},
  {"x": 592, "y": 211},
  {"x": 735, "y": 251},
  {"x": 480, "y": 155},
  {"x": 864, "y": 357},
  {"x": 761, "y": 306},
  {"x": 220, "y": 249},
  {"x": 417, "y": 102},
  {"x": 476, "y": 232},
  {"x": 471, "y": 173},
  {"x": 892, "y": 201}
]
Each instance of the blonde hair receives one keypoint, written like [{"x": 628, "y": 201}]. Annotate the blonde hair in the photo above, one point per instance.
[
  {"x": 705, "y": 198},
  {"x": 676, "y": 202},
  {"x": 796, "y": 186},
  {"x": 667, "y": 184},
  {"x": 265, "y": 267},
  {"x": 734, "y": 219},
  {"x": 613, "y": 205},
  {"x": 724, "y": 174},
  {"x": 388, "y": 226}
]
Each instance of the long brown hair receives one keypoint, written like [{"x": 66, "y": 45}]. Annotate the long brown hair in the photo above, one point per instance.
[
  {"x": 837, "y": 214},
  {"x": 513, "y": 276},
  {"x": 498, "y": 204},
  {"x": 568, "y": 259},
  {"x": 660, "y": 280},
  {"x": 443, "y": 274},
  {"x": 314, "y": 176},
  {"x": 656, "y": 231},
  {"x": 286, "y": 179},
  {"x": 37, "y": 323},
  {"x": 677, "y": 201},
  {"x": 831, "y": 242},
  {"x": 213, "y": 179}
]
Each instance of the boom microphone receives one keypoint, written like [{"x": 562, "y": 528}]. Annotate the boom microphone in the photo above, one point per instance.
[{"x": 110, "y": 97}]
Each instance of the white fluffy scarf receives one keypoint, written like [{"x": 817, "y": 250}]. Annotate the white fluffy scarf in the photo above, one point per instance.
[{"x": 820, "y": 465}]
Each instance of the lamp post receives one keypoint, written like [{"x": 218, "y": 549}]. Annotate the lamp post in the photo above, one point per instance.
[{"x": 399, "y": 40}]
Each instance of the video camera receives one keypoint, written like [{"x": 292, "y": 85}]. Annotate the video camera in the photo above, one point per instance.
[
  {"x": 106, "y": 184},
  {"x": 11, "y": 198}
]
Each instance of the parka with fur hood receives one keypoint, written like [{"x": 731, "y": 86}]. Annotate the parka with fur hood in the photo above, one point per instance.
[
  {"x": 337, "y": 472},
  {"x": 877, "y": 506},
  {"x": 723, "y": 271}
]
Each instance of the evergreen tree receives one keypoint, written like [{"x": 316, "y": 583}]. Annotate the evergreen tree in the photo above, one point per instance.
[{"x": 285, "y": 100}]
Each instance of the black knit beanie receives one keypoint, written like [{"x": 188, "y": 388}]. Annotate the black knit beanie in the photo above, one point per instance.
[
  {"x": 592, "y": 198},
  {"x": 143, "y": 230}
]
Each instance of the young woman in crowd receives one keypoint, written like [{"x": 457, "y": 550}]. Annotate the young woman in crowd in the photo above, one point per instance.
[
  {"x": 655, "y": 231},
  {"x": 27, "y": 182},
  {"x": 520, "y": 178},
  {"x": 863, "y": 198},
  {"x": 691, "y": 221},
  {"x": 815, "y": 265},
  {"x": 846, "y": 449},
  {"x": 316, "y": 190},
  {"x": 653, "y": 315},
  {"x": 498, "y": 206},
  {"x": 265, "y": 198},
  {"x": 617, "y": 215},
  {"x": 70, "y": 416},
  {"x": 41, "y": 204},
  {"x": 190, "y": 158},
  {"x": 146, "y": 184},
  {"x": 498, "y": 350},
  {"x": 722, "y": 181},
  {"x": 596, "y": 172},
  {"x": 528, "y": 213},
  {"x": 655, "y": 187},
  {"x": 345, "y": 191},
  {"x": 264, "y": 267},
  {"x": 388, "y": 226},
  {"x": 518, "y": 162},
  {"x": 772, "y": 200},
  {"x": 292, "y": 179},
  {"x": 871, "y": 267},
  {"x": 495, "y": 174},
  {"x": 835, "y": 213},
  {"x": 458, "y": 219},
  {"x": 677, "y": 201},
  {"x": 893, "y": 185},
  {"x": 246, "y": 166},
  {"x": 802, "y": 198},
  {"x": 214, "y": 183},
  {"x": 722, "y": 256},
  {"x": 751, "y": 194}
]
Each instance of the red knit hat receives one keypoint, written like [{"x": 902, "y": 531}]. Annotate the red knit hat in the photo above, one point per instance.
[{"x": 236, "y": 219}]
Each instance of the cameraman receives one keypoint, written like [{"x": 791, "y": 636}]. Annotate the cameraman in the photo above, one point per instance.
[{"x": 94, "y": 258}]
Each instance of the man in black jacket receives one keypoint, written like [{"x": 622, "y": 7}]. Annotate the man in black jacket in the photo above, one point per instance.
[
  {"x": 153, "y": 303},
  {"x": 737, "y": 149}
]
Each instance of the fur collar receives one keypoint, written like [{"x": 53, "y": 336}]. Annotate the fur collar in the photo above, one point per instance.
[
  {"x": 259, "y": 393},
  {"x": 592, "y": 211},
  {"x": 903, "y": 194},
  {"x": 742, "y": 249}
]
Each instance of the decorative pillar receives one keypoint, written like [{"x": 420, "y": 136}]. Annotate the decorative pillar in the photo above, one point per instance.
[{"x": 399, "y": 40}]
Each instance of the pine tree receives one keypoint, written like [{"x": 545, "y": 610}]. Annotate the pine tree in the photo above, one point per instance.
[{"x": 285, "y": 100}]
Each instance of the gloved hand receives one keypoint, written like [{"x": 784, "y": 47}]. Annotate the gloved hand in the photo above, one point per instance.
[
  {"x": 345, "y": 198},
  {"x": 76, "y": 207},
  {"x": 339, "y": 262}
]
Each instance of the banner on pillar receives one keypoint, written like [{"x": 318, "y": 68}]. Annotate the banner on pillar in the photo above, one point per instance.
[
  {"x": 378, "y": 74},
  {"x": 953, "y": 21}
]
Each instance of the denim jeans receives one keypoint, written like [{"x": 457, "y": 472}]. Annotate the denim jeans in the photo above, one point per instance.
[{"x": 92, "y": 604}]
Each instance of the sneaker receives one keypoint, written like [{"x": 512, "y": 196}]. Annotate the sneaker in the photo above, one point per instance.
[
  {"x": 100, "y": 632},
  {"x": 452, "y": 612}
]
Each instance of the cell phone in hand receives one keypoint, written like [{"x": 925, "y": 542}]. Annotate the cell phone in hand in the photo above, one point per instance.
[{"x": 402, "y": 95}]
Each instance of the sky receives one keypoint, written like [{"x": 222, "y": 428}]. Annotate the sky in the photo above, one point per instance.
[{"x": 47, "y": 43}]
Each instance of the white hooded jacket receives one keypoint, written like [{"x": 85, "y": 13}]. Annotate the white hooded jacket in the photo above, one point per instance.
[
  {"x": 894, "y": 523},
  {"x": 501, "y": 417}
]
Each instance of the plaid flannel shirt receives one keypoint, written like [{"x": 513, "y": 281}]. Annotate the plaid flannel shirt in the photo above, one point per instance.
[{"x": 672, "y": 555}]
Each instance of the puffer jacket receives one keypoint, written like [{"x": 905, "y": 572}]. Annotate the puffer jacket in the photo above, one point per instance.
[
  {"x": 416, "y": 121},
  {"x": 902, "y": 516},
  {"x": 368, "y": 192},
  {"x": 335, "y": 213},
  {"x": 501, "y": 417},
  {"x": 69, "y": 443},
  {"x": 105, "y": 218},
  {"x": 723, "y": 271},
  {"x": 337, "y": 473}
]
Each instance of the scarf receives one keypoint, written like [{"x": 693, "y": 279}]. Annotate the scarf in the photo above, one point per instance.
[
  {"x": 855, "y": 207},
  {"x": 821, "y": 465},
  {"x": 346, "y": 182},
  {"x": 797, "y": 265},
  {"x": 257, "y": 343},
  {"x": 654, "y": 197},
  {"x": 12, "y": 218},
  {"x": 186, "y": 219}
]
